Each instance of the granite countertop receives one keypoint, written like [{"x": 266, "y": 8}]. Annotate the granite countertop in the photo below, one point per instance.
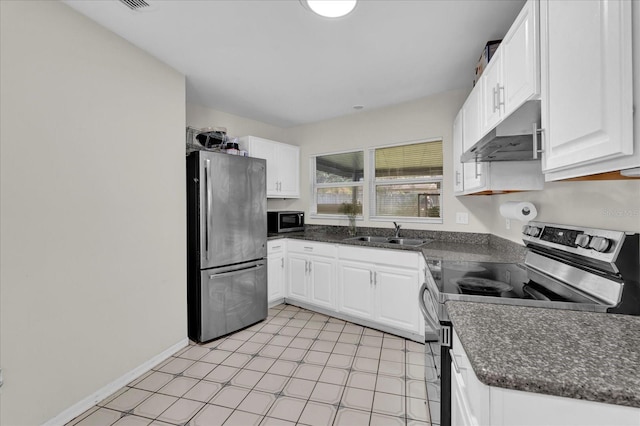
[
  {"x": 456, "y": 246},
  {"x": 575, "y": 354}
]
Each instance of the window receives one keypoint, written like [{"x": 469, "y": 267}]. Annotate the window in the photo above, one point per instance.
[
  {"x": 407, "y": 181},
  {"x": 338, "y": 183},
  {"x": 402, "y": 182}
]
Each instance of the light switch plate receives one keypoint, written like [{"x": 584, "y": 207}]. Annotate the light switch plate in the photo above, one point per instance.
[{"x": 462, "y": 218}]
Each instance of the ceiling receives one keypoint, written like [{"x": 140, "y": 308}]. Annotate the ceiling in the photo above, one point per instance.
[{"x": 276, "y": 62}]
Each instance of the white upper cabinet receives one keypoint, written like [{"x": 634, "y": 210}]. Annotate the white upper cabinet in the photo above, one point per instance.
[
  {"x": 476, "y": 177},
  {"x": 520, "y": 60},
  {"x": 512, "y": 77},
  {"x": 458, "y": 169},
  {"x": 283, "y": 165},
  {"x": 493, "y": 91},
  {"x": 587, "y": 96},
  {"x": 472, "y": 117}
]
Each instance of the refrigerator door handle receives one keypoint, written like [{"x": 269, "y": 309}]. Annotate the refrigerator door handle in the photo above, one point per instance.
[
  {"x": 207, "y": 205},
  {"x": 235, "y": 271}
]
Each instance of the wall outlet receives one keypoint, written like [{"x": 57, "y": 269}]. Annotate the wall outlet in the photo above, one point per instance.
[
  {"x": 507, "y": 223},
  {"x": 462, "y": 217}
]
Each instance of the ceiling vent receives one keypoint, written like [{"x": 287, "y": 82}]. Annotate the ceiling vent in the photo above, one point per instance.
[{"x": 137, "y": 5}]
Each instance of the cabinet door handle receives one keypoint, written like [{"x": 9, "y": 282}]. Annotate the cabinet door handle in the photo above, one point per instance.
[
  {"x": 535, "y": 134},
  {"x": 500, "y": 98},
  {"x": 370, "y": 277},
  {"x": 457, "y": 178},
  {"x": 375, "y": 278},
  {"x": 495, "y": 94},
  {"x": 306, "y": 267},
  {"x": 282, "y": 262}
]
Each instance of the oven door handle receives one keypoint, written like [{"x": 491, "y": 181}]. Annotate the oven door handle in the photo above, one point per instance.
[
  {"x": 434, "y": 323},
  {"x": 423, "y": 307}
]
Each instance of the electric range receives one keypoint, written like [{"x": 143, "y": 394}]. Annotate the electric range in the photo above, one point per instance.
[{"x": 565, "y": 267}]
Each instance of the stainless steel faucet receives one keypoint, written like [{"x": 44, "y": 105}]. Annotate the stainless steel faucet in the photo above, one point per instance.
[{"x": 397, "y": 234}]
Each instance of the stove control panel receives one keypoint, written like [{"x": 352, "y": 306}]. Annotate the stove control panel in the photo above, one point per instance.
[
  {"x": 565, "y": 237},
  {"x": 600, "y": 244}
]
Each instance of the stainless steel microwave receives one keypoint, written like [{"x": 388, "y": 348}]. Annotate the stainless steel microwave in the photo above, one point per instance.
[{"x": 285, "y": 221}]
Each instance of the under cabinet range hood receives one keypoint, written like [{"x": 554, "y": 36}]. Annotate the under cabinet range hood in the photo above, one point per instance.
[{"x": 511, "y": 140}]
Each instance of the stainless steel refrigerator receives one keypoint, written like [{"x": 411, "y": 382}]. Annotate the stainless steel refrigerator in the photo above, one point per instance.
[{"x": 226, "y": 243}]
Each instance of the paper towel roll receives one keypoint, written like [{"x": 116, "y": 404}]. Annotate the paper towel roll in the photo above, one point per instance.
[{"x": 520, "y": 210}]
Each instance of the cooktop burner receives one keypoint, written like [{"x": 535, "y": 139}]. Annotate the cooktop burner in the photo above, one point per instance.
[
  {"x": 481, "y": 286},
  {"x": 479, "y": 278}
]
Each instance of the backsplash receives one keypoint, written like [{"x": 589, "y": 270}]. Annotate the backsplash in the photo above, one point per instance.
[{"x": 445, "y": 236}]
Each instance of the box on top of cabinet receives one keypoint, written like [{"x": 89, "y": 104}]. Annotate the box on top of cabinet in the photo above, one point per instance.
[{"x": 487, "y": 53}]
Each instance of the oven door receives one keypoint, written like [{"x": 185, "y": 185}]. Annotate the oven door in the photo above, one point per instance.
[
  {"x": 432, "y": 351},
  {"x": 428, "y": 308}
]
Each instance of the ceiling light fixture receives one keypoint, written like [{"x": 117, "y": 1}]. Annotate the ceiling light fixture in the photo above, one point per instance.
[{"x": 330, "y": 8}]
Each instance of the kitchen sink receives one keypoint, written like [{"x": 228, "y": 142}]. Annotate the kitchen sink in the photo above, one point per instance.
[
  {"x": 369, "y": 239},
  {"x": 407, "y": 241},
  {"x": 389, "y": 240}
]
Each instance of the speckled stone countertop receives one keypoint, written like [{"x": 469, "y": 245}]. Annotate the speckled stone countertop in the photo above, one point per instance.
[
  {"x": 456, "y": 246},
  {"x": 575, "y": 354}
]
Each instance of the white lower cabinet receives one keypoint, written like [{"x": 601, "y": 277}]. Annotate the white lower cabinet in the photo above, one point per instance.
[
  {"x": 355, "y": 289},
  {"x": 297, "y": 276},
  {"x": 474, "y": 403},
  {"x": 396, "y": 302},
  {"x": 275, "y": 271},
  {"x": 371, "y": 289},
  {"x": 311, "y": 273},
  {"x": 470, "y": 398}
]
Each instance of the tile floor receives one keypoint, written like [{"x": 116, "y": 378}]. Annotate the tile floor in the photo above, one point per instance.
[{"x": 296, "y": 367}]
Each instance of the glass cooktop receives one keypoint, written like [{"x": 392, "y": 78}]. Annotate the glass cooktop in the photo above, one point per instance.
[{"x": 473, "y": 280}]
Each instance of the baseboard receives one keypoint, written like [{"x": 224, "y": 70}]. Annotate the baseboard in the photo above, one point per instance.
[
  {"x": 88, "y": 402},
  {"x": 276, "y": 302}
]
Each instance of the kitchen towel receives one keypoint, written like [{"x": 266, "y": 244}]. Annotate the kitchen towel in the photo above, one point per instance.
[{"x": 521, "y": 210}]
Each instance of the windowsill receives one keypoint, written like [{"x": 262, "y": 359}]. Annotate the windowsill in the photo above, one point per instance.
[
  {"x": 430, "y": 220},
  {"x": 334, "y": 217},
  {"x": 437, "y": 220}
]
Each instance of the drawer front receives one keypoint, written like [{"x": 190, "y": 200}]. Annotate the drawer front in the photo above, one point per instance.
[
  {"x": 399, "y": 258},
  {"x": 275, "y": 246},
  {"x": 311, "y": 248}
]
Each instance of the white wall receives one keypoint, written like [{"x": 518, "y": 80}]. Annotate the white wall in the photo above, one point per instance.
[
  {"x": 199, "y": 117},
  {"x": 596, "y": 204},
  {"x": 604, "y": 204},
  {"x": 426, "y": 118},
  {"x": 92, "y": 209}
]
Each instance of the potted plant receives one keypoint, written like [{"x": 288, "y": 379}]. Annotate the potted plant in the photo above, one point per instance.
[{"x": 351, "y": 210}]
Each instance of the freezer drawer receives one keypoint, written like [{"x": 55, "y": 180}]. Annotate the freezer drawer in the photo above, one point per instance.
[{"x": 232, "y": 298}]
